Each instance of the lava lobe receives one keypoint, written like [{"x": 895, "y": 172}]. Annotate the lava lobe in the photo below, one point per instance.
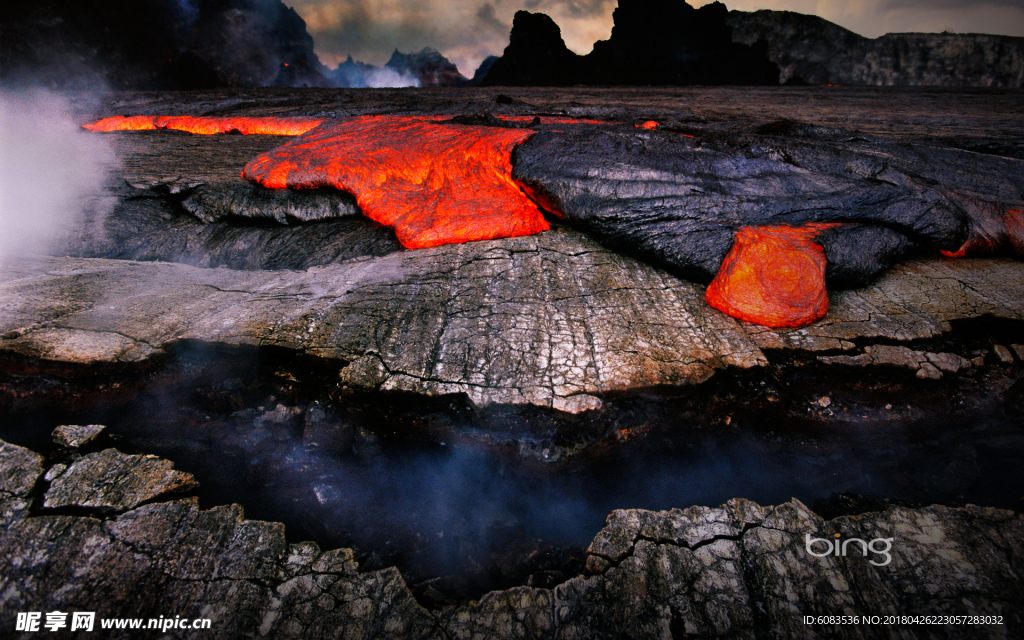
[
  {"x": 432, "y": 183},
  {"x": 773, "y": 276}
]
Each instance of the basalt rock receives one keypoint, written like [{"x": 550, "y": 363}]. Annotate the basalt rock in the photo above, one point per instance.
[
  {"x": 738, "y": 570},
  {"x": 812, "y": 50},
  {"x": 537, "y": 320},
  {"x": 232, "y": 225},
  {"x": 653, "y": 42},
  {"x": 678, "y": 199},
  {"x": 535, "y": 56}
]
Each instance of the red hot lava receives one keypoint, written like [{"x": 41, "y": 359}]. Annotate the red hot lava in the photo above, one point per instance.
[
  {"x": 773, "y": 276},
  {"x": 279, "y": 126},
  {"x": 432, "y": 183}
]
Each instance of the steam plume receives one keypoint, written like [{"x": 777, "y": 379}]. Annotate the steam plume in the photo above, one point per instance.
[{"x": 52, "y": 173}]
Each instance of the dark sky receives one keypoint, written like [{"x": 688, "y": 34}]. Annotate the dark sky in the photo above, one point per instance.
[{"x": 466, "y": 31}]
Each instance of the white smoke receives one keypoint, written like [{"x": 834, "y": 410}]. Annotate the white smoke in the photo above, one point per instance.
[
  {"x": 390, "y": 79},
  {"x": 52, "y": 172},
  {"x": 385, "y": 78}
]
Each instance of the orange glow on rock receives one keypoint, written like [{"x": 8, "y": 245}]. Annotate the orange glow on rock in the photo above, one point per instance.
[
  {"x": 432, "y": 183},
  {"x": 995, "y": 229},
  {"x": 650, "y": 124},
  {"x": 773, "y": 276},
  {"x": 279, "y": 126}
]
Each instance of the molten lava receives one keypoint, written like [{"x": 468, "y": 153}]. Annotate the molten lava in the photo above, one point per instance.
[
  {"x": 279, "y": 126},
  {"x": 650, "y": 124},
  {"x": 773, "y": 276},
  {"x": 432, "y": 183}
]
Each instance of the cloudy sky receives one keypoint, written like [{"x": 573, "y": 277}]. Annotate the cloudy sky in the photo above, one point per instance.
[{"x": 467, "y": 31}]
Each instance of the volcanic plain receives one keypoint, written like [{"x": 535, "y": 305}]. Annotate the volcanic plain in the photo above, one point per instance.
[{"x": 272, "y": 341}]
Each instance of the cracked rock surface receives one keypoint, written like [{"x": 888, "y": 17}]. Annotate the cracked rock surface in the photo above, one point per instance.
[
  {"x": 544, "y": 319},
  {"x": 112, "y": 481},
  {"x": 552, "y": 320},
  {"x": 735, "y": 571}
]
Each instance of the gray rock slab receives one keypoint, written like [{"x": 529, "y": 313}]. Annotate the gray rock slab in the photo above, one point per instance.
[
  {"x": 552, "y": 320},
  {"x": 915, "y": 300},
  {"x": 20, "y": 469},
  {"x": 547, "y": 320},
  {"x": 1004, "y": 354},
  {"x": 113, "y": 481},
  {"x": 74, "y": 436}
]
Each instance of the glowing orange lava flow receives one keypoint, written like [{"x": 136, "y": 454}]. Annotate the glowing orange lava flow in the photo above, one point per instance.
[
  {"x": 773, "y": 276},
  {"x": 279, "y": 126},
  {"x": 432, "y": 183}
]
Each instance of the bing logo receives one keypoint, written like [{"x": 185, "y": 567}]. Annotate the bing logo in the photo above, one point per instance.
[{"x": 839, "y": 548}]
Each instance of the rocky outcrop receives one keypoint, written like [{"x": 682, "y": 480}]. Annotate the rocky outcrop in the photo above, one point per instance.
[
  {"x": 668, "y": 42},
  {"x": 812, "y": 50},
  {"x": 536, "y": 55},
  {"x": 653, "y": 42},
  {"x": 738, "y": 570},
  {"x": 158, "y": 45},
  {"x": 482, "y": 71},
  {"x": 351, "y": 73},
  {"x": 428, "y": 66}
]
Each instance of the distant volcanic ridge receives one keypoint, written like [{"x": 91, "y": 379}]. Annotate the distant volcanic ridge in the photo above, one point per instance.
[
  {"x": 160, "y": 44},
  {"x": 812, "y": 50},
  {"x": 427, "y": 68},
  {"x": 653, "y": 42}
]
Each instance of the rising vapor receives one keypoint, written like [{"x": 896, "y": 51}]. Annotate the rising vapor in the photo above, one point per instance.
[{"x": 52, "y": 173}]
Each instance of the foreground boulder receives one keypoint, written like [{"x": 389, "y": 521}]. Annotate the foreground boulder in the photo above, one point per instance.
[{"x": 738, "y": 570}]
